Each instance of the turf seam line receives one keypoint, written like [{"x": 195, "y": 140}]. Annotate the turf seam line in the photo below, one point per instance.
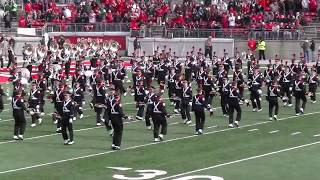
[
  {"x": 251, "y": 130},
  {"x": 148, "y": 144}
]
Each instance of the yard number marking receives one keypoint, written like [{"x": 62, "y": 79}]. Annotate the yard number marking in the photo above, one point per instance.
[
  {"x": 143, "y": 174},
  {"x": 152, "y": 173}
]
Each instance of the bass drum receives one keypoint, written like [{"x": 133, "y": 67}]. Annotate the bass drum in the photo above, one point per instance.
[{"x": 25, "y": 75}]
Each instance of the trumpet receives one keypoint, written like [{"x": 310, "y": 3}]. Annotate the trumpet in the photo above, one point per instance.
[
  {"x": 81, "y": 47},
  {"x": 106, "y": 46},
  {"x": 94, "y": 45},
  {"x": 67, "y": 48},
  {"x": 41, "y": 52},
  {"x": 28, "y": 50}
]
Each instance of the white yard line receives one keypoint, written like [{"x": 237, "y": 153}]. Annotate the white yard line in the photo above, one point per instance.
[
  {"x": 174, "y": 123},
  {"x": 211, "y": 127},
  {"x": 251, "y": 130},
  {"x": 272, "y": 132},
  {"x": 145, "y": 145},
  {"x": 243, "y": 160},
  {"x": 295, "y": 133},
  {"x": 316, "y": 135}
]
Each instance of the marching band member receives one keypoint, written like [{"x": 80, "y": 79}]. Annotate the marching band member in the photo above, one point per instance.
[
  {"x": 269, "y": 74},
  {"x": 255, "y": 84},
  {"x": 286, "y": 81},
  {"x": 209, "y": 89},
  {"x": 116, "y": 116},
  {"x": 238, "y": 77},
  {"x": 1, "y": 100},
  {"x": 18, "y": 115},
  {"x": 303, "y": 67},
  {"x": 300, "y": 94},
  {"x": 313, "y": 84},
  {"x": 317, "y": 66},
  {"x": 171, "y": 84},
  {"x": 159, "y": 115},
  {"x": 224, "y": 93},
  {"x": 188, "y": 68},
  {"x": 233, "y": 102},
  {"x": 99, "y": 94},
  {"x": 272, "y": 96},
  {"x": 78, "y": 98},
  {"x": 139, "y": 78},
  {"x": 161, "y": 73},
  {"x": 150, "y": 98},
  {"x": 117, "y": 78},
  {"x": 186, "y": 102},
  {"x": 93, "y": 78},
  {"x": 35, "y": 98},
  {"x": 80, "y": 78},
  {"x": 198, "y": 107},
  {"x": 104, "y": 69},
  {"x": 67, "y": 119},
  {"x": 149, "y": 73},
  {"x": 139, "y": 97},
  {"x": 57, "y": 99},
  {"x": 178, "y": 93},
  {"x": 200, "y": 75}
]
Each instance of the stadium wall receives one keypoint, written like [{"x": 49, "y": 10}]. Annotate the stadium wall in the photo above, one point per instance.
[
  {"x": 182, "y": 45},
  {"x": 284, "y": 49}
]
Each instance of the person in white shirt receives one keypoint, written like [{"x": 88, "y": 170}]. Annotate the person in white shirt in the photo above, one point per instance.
[
  {"x": 67, "y": 13},
  {"x": 232, "y": 21},
  {"x": 92, "y": 17}
]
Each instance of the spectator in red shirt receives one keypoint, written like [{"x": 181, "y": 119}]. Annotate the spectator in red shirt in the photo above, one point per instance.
[
  {"x": 28, "y": 7},
  {"x": 22, "y": 22},
  {"x": 109, "y": 17},
  {"x": 252, "y": 44},
  {"x": 134, "y": 25}
]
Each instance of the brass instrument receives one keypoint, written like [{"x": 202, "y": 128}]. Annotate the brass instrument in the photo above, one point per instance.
[
  {"x": 81, "y": 47},
  {"x": 94, "y": 45},
  {"x": 106, "y": 46},
  {"x": 114, "y": 46},
  {"x": 28, "y": 50},
  {"x": 67, "y": 48},
  {"x": 54, "y": 47},
  {"x": 41, "y": 52}
]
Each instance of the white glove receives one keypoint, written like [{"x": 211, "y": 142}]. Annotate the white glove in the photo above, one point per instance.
[
  {"x": 31, "y": 113},
  {"x": 70, "y": 120},
  {"x": 190, "y": 103},
  {"x": 290, "y": 88},
  {"x": 83, "y": 102},
  {"x": 37, "y": 107},
  {"x": 260, "y": 91}
]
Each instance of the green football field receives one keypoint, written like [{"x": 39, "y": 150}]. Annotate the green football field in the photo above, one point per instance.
[{"x": 258, "y": 149}]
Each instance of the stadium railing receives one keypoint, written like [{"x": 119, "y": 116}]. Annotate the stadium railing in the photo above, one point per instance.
[
  {"x": 85, "y": 27},
  {"x": 237, "y": 33}
]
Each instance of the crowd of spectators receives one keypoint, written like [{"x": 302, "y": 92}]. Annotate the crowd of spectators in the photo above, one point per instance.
[{"x": 264, "y": 15}]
